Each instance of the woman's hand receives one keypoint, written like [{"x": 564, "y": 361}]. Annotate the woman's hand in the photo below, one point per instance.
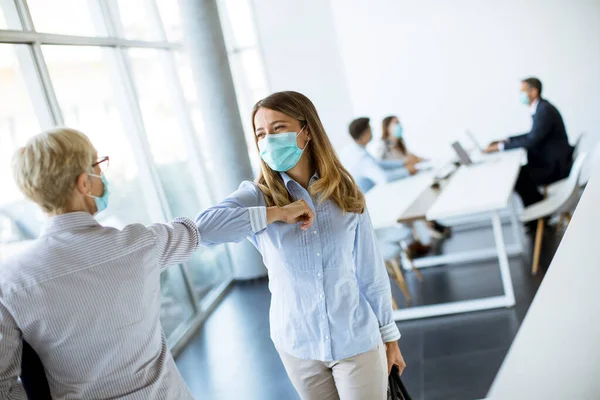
[
  {"x": 412, "y": 159},
  {"x": 293, "y": 213},
  {"x": 412, "y": 169},
  {"x": 394, "y": 357}
]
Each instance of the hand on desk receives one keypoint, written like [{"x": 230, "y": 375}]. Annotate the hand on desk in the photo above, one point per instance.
[
  {"x": 492, "y": 147},
  {"x": 411, "y": 167},
  {"x": 411, "y": 159}
]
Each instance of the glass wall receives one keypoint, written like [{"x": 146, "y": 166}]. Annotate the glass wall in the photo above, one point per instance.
[
  {"x": 117, "y": 72},
  {"x": 247, "y": 67}
]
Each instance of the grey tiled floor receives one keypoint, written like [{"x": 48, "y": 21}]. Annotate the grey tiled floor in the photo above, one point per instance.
[{"x": 455, "y": 357}]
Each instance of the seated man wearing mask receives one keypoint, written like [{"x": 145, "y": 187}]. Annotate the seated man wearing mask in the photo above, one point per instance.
[
  {"x": 84, "y": 296},
  {"x": 549, "y": 153}
]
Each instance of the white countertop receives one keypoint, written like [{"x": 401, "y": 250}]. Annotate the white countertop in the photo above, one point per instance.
[
  {"x": 556, "y": 354},
  {"x": 387, "y": 203}
]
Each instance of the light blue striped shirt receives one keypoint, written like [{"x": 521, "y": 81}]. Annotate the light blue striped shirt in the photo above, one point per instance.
[{"x": 331, "y": 296}]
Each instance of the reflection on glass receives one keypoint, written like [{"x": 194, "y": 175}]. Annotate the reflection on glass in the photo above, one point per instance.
[
  {"x": 137, "y": 19},
  {"x": 171, "y": 19},
  {"x": 171, "y": 156},
  {"x": 20, "y": 220},
  {"x": 84, "y": 90},
  {"x": 251, "y": 86},
  {"x": 186, "y": 77},
  {"x": 9, "y": 19},
  {"x": 175, "y": 305},
  {"x": 241, "y": 22},
  {"x": 67, "y": 17},
  {"x": 252, "y": 65},
  {"x": 18, "y": 120}
]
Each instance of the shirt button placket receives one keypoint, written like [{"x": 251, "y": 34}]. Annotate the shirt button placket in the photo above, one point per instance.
[{"x": 318, "y": 246}]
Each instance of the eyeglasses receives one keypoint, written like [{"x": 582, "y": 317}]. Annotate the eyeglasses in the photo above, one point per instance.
[{"x": 103, "y": 162}]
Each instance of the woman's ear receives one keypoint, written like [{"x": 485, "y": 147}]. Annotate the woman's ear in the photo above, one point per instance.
[{"x": 83, "y": 184}]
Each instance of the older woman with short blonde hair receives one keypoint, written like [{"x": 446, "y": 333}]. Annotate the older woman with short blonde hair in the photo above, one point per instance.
[{"x": 84, "y": 296}]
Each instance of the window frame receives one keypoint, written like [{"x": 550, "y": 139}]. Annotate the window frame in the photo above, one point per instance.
[{"x": 115, "y": 46}]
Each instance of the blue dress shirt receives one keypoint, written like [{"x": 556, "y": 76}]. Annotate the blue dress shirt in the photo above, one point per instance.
[{"x": 331, "y": 296}]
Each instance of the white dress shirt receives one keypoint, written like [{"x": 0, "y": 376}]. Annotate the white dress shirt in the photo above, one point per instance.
[
  {"x": 87, "y": 299},
  {"x": 361, "y": 164}
]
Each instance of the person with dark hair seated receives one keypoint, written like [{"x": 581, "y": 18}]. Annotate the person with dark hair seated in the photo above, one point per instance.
[
  {"x": 361, "y": 163},
  {"x": 368, "y": 172},
  {"x": 549, "y": 153}
]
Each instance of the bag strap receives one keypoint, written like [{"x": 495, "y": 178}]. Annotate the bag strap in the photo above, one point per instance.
[{"x": 397, "y": 384}]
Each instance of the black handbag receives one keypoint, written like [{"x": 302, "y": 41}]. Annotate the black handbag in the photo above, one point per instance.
[{"x": 396, "y": 389}]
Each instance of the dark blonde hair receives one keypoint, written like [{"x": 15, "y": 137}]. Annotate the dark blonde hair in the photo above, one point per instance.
[
  {"x": 386, "y": 134},
  {"x": 335, "y": 183}
]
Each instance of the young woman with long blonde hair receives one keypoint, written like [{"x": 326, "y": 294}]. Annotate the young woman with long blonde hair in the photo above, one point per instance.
[{"x": 331, "y": 309}]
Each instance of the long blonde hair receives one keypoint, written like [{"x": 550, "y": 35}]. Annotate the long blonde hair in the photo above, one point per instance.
[{"x": 335, "y": 183}]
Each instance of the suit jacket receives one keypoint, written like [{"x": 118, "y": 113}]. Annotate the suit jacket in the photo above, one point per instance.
[{"x": 549, "y": 153}]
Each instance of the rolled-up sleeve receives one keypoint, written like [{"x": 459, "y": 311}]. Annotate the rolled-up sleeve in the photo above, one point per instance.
[
  {"x": 241, "y": 215},
  {"x": 372, "y": 277},
  {"x": 11, "y": 347},
  {"x": 175, "y": 241}
]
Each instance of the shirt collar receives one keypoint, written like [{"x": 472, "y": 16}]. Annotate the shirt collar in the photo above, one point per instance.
[
  {"x": 287, "y": 179},
  {"x": 534, "y": 106},
  {"x": 69, "y": 221},
  {"x": 360, "y": 148}
]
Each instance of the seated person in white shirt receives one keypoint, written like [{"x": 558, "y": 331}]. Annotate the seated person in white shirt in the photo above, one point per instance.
[
  {"x": 362, "y": 165},
  {"x": 368, "y": 172}
]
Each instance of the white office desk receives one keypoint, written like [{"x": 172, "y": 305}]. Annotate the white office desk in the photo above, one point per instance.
[
  {"x": 556, "y": 353},
  {"x": 387, "y": 203},
  {"x": 481, "y": 189}
]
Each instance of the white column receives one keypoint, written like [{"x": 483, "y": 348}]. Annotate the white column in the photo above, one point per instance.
[{"x": 224, "y": 136}]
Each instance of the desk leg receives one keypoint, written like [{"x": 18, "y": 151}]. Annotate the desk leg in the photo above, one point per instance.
[
  {"x": 509, "y": 294},
  {"x": 517, "y": 230}
]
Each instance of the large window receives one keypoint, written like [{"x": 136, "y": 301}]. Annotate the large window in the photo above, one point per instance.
[
  {"x": 246, "y": 63},
  {"x": 116, "y": 71}
]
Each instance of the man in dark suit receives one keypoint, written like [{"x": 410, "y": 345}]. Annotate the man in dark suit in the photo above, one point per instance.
[{"x": 549, "y": 153}]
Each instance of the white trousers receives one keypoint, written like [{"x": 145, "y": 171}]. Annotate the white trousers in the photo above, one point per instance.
[{"x": 362, "y": 377}]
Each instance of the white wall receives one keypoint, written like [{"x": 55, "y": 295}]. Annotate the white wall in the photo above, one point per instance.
[
  {"x": 301, "y": 53},
  {"x": 445, "y": 66}
]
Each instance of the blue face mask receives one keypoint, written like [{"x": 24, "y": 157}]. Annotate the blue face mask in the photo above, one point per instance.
[
  {"x": 524, "y": 98},
  {"x": 280, "y": 151},
  {"x": 397, "y": 131},
  {"x": 101, "y": 201}
]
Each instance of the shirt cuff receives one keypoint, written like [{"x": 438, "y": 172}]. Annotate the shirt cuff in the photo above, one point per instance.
[
  {"x": 191, "y": 226},
  {"x": 258, "y": 218},
  {"x": 501, "y": 146},
  {"x": 389, "y": 332}
]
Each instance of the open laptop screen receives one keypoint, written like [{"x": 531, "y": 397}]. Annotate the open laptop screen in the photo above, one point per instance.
[{"x": 462, "y": 154}]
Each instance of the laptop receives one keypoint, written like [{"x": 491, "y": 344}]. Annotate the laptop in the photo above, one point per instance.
[{"x": 463, "y": 156}]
